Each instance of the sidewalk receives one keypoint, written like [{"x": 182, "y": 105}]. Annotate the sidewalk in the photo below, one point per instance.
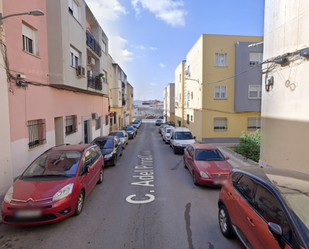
[{"x": 235, "y": 160}]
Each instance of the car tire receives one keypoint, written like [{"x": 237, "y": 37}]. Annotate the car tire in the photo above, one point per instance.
[
  {"x": 115, "y": 160},
  {"x": 184, "y": 164},
  {"x": 194, "y": 179},
  {"x": 79, "y": 203},
  {"x": 225, "y": 222},
  {"x": 101, "y": 176}
]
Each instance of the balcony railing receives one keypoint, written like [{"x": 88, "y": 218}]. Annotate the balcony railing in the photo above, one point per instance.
[
  {"x": 94, "y": 83},
  {"x": 91, "y": 42},
  {"x": 123, "y": 85},
  {"x": 123, "y": 102}
]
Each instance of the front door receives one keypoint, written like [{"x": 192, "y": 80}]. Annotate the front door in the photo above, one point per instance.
[{"x": 86, "y": 138}]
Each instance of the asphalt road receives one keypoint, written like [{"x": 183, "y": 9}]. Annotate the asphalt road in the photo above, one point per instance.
[{"x": 177, "y": 215}]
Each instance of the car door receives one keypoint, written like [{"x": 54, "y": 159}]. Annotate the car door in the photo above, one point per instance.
[
  {"x": 117, "y": 147},
  {"x": 186, "y": 155},
  {"x": 84, "y": 175},
  {"x": 97, "y": 164},
  {"x": 190, "y": 162},
  {"x": 242, "y": 216},
  {"x": 268, "y": 209}
]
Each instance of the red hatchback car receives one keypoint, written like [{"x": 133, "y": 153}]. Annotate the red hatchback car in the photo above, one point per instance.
[
  {"x": 266, "y": 208},
  {"x": 54, "y": 186},
  {"x": 206, "y": 164}
]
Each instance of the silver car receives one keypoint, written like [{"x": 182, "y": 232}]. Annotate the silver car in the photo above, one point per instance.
[
  {"x": 166, "y": 134},
  {"x": 122, "y": 135}
]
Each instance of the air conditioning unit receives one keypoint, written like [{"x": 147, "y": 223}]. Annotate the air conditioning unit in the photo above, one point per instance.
[
  {"x": 95, "y": 115},
  {"x": 80, "y": 71},
  {"x": 91, "y": 61}
]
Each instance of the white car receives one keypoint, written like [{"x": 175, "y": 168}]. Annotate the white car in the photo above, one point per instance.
[
  {"x": 166, "y": 134},
  {"x": 181, "y": 137}
]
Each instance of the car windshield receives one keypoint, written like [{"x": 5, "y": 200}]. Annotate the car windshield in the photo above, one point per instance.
[
  {"x": 300, "y": 210},
  {"x": 105, "y": 144},
  {"x": 118, "y": 134},
  {"x": 208, "y": 155},
  {"x": 183, "y": 135},
  {"x": 129, "y": 128},
  {"x": 62, "y": 163},
  {"x": 168, "y": 130}
]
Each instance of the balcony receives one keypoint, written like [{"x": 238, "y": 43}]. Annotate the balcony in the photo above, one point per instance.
[
  {"x": 94, "y": 83},
  {"x": 91, "y": 42},
  {"x": 123, "y": 85}
]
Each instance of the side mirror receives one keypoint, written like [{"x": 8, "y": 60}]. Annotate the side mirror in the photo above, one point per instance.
[
  {"x": 227, "y": 158},
  {"x": 194, "y": 137},
  {"x": 276, "y": 231}
]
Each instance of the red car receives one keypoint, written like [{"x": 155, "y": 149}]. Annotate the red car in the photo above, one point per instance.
[
  {"x": 150, "y": 117},
  {"x": 54, "y": 186},
  {"x": 206, "y": 164},
  {"x": 266, "y": 208}
]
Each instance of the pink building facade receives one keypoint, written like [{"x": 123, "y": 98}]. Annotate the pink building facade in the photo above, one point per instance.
[{"x": 46, "y": 107}]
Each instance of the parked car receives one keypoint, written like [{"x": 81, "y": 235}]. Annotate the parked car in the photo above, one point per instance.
[
  {"x": 150, "y": 116},
  {"x": 158, "y": 122},
  {"x": 166, "y": 134},
  {"x": 138, "y": 124},
  {"x": 135, "y": 126},
  {"x": 122, "y": 135},
  {"x": 131, "y": 131},
  {"x": 181, "y": 137},
  {"x": 171, "y": 123},
  {"x": 111, "y": 148},
  {"x": 161, "y": 128},
  {"x": 266, "y": 207},
  {"x": 206, "y": 164},
  {"x": 54, "y": 186}
]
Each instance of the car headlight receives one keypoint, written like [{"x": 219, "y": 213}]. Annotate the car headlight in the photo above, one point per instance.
[
  {"x": 9, "y": 195},
  {"x": 108, "y": 155},
  {"x": 64, "y": 192},
  {"x": 203, "y": 174}
]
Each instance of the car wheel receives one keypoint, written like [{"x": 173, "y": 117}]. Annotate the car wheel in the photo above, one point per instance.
[
  {"x": 101, "y": 176},
  {"x": 225, "y": 222},
  {"x": 115, "y": 160},
  {"x": 194, "y": 179},
  {"x": 184, "y": 164},
  {"x": 79, "y": 203}
]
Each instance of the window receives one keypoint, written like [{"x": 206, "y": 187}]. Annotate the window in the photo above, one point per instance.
[
  {"x": 75, "y": 58},
  {"x": 220, "y": 124},
  {"x": 36, "y": 132},
  {"x": 98, "y": 123},
  {"x": 246, "y": 187},
  {"x": 103, "y": 47},
  {"x": 255, "y": 92},
  {"x": 74, "y": 9},
  {"x": 70, "y": 124},
  {"x": 221, "y": 60},
  {"x": 115, "y": 115},
  {"x": 191, "y": 117},
  {"x": 220, "y": 92},
  {"x": 30, "y": 39},
  {"x": 254, "y": 123},
  {"x": 255, "y": 58},
  {"x": 104, "y": 79},
  {"x": 188, "y": 96},
  {"x": 188, "y": 119},
  {"x": 269, "y": 208},
  {"x": 106, "y": 119}
]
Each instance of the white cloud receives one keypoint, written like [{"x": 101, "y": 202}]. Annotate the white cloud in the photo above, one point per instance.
[
  {"x": 140, "y": 47},
  {"x": 127, "y": 55},
  {"x": 162, "y": 65},
  {"x": 169, "y": 11},
  {"x": 112, "y": 9},
  {"x": 153, "y": 48},
  {"x": 153, "y": 84}
]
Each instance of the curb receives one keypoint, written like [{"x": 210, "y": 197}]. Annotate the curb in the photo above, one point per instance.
[{"x": 240, "y": 156}]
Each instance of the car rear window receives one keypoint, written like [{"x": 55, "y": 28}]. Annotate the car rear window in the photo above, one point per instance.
[
  {"x": 62, "y": 163},
  {"x": 208, "y": 155},
  {"x": 105, "y": 144}
]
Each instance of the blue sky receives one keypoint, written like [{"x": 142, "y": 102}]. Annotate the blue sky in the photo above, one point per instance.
[{"x": 149, "y": 38}]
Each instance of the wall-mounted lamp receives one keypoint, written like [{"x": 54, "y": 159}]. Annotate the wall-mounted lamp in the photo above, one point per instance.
[
  {"x": 34, "y": 12},
  {"x": 255, "y": 44}
]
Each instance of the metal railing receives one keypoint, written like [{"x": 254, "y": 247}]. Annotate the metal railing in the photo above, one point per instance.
[
  {"x": 94, "y": 83},
  {"x": 36, "y": 132},
  {"x": 91, "y": 42}
]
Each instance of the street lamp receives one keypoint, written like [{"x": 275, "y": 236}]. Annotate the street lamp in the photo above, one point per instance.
[
  {"x": 255, "y": 44},
  {"x": 34, "y": 12}
]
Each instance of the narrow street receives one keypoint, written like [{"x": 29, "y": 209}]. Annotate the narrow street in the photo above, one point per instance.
[{"x": 182, "y": 215}]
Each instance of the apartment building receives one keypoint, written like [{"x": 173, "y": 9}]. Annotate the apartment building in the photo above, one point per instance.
[
  {"x": 215, "y": 106},
  {"x": 169, "y": 102},
  {"x": 6, "y": 174},
  {"x": 130, "y": 103},
  {"x": 117, "y": 96},
  {"x": 285, "y": 89},
  {"x": 57, "y": 90}
]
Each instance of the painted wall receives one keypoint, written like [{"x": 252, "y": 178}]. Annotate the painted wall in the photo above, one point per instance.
[
  {"x": 242, "y": 81},
  {"x": 6, "y": 175},
  {"x": 285, "y": 116}
]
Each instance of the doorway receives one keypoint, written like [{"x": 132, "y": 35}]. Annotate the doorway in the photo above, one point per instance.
[
  {"x": 86, "y": 136},
  {"x": 59, "y": 132}
]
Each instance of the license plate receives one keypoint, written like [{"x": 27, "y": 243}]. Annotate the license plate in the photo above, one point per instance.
[
  {"x": 218, "y": 182},
  {"x": 28, "y": 213}
]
